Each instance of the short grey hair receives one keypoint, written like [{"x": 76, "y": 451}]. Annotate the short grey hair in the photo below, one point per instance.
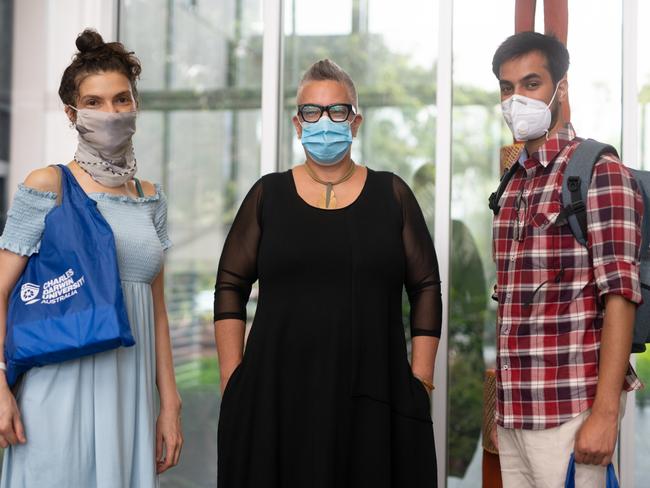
[{"x": 326, "y": 69}]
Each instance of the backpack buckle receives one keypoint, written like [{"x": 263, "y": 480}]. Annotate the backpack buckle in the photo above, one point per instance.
[
  {"x": 578, "y": 207},
  {"x": 573, "y": 183},
  {"x": 493, "y": 203}
]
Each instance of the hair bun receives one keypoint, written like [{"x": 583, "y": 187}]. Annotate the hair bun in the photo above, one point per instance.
[{"x": 89, "y": 40}]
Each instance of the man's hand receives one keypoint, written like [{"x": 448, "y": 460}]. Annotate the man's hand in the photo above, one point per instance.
[{"x": 596, "y": 439}]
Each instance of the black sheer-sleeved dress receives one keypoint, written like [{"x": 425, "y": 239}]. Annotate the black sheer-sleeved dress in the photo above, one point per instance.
[{"x": 325, "y": 397}]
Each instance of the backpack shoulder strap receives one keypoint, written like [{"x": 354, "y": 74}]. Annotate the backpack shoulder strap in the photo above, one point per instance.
[
  {"x": 496, "y": 196},
  {"x": 642, "y": 178},
  {"x": 575, "y": 184}
]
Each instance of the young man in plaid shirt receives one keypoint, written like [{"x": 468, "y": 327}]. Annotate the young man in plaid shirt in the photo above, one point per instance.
[{"x": 566, "y": 311}]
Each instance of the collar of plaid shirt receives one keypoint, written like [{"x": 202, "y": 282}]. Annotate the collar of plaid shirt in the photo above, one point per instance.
[
  {"x": 551, "y": 148},
  {"x": 549, "y": 292}
]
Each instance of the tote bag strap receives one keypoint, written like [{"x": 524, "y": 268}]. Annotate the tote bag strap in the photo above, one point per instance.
[
  {"x": 64, "y": 173},
  {"x": 59, "y": 195},
  {"x": 611, "y": 481},
  {"x": 70, "y": 188}
]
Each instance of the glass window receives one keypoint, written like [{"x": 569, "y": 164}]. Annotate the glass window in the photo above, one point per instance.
[
  {"x": 594, "y": 86},
  {"x": 478, "y": 133},
  {"x": 6, "y": 34},
  {"x": 199, "y": 135},
  {"x": 644, "y": 88}
]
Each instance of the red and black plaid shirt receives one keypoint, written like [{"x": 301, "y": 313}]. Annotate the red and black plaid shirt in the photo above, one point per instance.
[{"x": 550, "y": 288}]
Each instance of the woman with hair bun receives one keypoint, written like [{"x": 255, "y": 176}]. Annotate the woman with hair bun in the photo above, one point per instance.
[{"x": 94, "y": 422}]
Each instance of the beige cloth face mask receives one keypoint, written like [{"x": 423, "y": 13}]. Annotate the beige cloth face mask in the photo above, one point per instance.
[{"x": 105, "y": 148}]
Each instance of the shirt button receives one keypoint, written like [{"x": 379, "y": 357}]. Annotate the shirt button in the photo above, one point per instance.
[
  {"x": 512, "y": 258},
  {"x": 508, "y": 296},
  {"x": 505, "y": 367}
]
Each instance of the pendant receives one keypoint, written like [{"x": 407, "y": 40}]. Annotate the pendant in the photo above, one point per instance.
[{"x": 328, "y": 198}]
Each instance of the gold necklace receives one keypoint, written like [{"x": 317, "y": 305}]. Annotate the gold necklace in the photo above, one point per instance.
[{"x": 328, "y": 198}]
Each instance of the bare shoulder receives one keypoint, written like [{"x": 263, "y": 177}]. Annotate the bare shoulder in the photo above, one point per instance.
[
  {"x": 44, "y": 179},
  {"x": 148, "y": 188}
]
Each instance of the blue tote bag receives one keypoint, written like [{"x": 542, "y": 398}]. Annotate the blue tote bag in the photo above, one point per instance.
[
  {"x": 68, "y": 303},
  {"x": 611, "y": 481}
]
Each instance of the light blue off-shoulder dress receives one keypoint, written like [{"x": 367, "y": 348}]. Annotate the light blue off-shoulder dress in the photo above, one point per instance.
[{"x": 90, "y": 423}]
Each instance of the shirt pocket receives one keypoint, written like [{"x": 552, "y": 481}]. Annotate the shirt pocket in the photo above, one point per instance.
[
  {"x": 544, "y": 255},
  {"x": 543, "y": 236}
]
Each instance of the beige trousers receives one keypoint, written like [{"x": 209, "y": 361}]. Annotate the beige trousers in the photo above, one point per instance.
[{"x": 540, "y": 458}]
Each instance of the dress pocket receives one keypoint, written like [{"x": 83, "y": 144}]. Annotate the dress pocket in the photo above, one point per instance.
[
  {"x": 231, "y": 382},
  {"x": 420, "y": 392}
]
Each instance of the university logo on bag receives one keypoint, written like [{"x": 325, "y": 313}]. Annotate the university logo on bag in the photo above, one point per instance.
[
  {"x": 54, "y": 291},
  {"x": 29, "y": 293}
]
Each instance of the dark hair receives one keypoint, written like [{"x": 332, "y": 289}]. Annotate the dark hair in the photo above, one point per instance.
[
  {"x": 556, "y": 53},
  {"x": 326, "y": 69},
  {"x": 96, "y": 56}
]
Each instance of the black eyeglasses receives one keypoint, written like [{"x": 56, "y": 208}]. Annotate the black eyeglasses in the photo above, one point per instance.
[
  {"x": 521, "y": 209},
  {"x": 337, "y": 112}
]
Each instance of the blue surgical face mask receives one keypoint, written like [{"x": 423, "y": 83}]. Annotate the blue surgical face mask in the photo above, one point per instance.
[{"x": 325, "y": 141}]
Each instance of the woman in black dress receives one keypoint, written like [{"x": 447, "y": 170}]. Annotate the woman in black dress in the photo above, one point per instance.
[{"x": 324, "y": 396}]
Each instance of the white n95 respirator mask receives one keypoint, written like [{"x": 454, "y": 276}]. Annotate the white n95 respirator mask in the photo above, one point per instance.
[{"x": 527, "y": 117}]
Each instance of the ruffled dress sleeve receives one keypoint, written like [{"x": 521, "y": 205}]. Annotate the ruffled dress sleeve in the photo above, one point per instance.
[{"x": 26, "y": 220}]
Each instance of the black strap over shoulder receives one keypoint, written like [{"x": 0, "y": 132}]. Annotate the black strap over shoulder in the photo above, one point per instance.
[
  {"x": 138, "y": 187},
  {"x": 496, "y": 196},
  {"x": 575, "y": 185}
]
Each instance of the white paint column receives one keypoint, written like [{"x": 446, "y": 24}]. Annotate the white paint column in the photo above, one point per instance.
[
  {"x": 630, "y": 155},
  {"x": 43, "y": 45},
  {"x": 271, "y": 84},
  {"x": 442, "y": 238},
  {"x": 28, "y": 90}
]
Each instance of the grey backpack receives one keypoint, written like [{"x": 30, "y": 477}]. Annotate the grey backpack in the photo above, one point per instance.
[{"x": 577, "y": 177}]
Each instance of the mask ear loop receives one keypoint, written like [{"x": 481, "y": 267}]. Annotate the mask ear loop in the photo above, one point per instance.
[
  {"x": 554, "y": 93},
  {"x": 551, "y": 103},
  {"x": 72, "y": 124}
]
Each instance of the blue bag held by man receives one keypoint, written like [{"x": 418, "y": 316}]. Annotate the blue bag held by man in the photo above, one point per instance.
[
  {"x": 570, "y": 482},
  {"x": 68, "y": 302}
]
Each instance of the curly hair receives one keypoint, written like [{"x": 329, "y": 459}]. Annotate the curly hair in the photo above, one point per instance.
[{"x": 96, "y": 56}]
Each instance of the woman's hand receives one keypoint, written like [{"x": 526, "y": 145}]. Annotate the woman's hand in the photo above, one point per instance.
[
  {"x": 11, "y": 427},
  {"x": 169, "y": 434},
  {"x": 169, "y": 438},
  {"x": 229, "y": 337}
]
